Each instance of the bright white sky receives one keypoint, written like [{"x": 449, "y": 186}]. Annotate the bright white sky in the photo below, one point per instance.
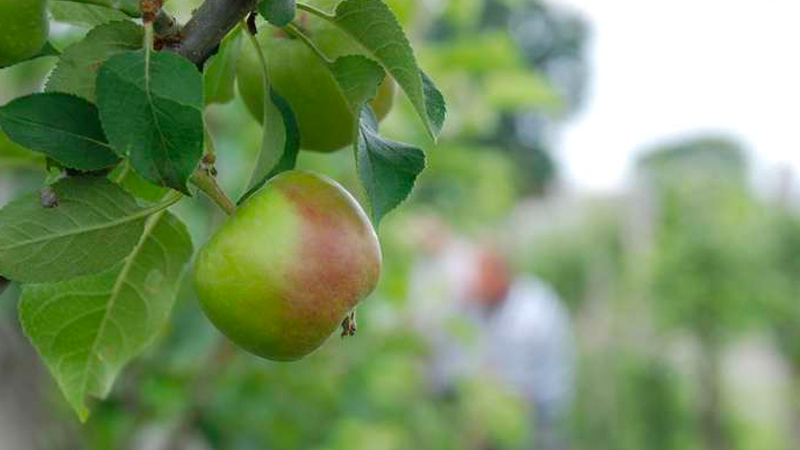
[{"x": 664, "y": 68}]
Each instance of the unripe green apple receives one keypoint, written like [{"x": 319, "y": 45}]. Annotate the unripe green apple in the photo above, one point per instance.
[
  {"x": 295, "y": 259},
  {"x": 325, "y": 121},
  {"x": 23, "y": 29}
]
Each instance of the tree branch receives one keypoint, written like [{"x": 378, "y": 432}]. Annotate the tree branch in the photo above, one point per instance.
[{"x": 209, "y": 25}]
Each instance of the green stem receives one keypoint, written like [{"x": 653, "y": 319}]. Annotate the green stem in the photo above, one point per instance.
[
  {"x": 148, "y": 41},
  {"x": 169, "y": 200},
  {"x": 129, "y": 7},
  {"x": 123, "y": 173},
  {"x": 262, "y": 60},
  {"x": 211, "y": 149},
  {"x": 298, "y": 33},
  {"x": 208, "y": 184},
  {"x": 317, "y": 12}
]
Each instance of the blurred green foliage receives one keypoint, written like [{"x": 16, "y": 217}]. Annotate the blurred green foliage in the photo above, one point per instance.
[
  {"x": 695, "y": 262},
  {"x": 644, "y": 407},
  {"x": 703, "y": 254}
]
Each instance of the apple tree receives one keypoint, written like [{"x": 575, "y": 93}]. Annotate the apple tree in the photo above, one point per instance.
[{"x": 119, "y": 130}]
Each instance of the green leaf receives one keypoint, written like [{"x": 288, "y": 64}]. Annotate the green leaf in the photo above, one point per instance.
[
  {"x": 373, "y": 25},
  {"x": 13, "y": 156},
  {"x": 435, "y": 105},
  {"x": 93, "y": 225},
  {"x": 87, "y": 329},
  {"x": 76, "y": 71},
  {"x": 278, "y": 12},
  {"x": 62, "y": 126},
  {"x": 151, "y": 109},
  {"x": 83, "y": 15},
  {"x": 387, "y": 169},
  {"x": 220, "y": 72},
  {"x": 281, "y": 141},
  {"x": 358, "y": 78}
]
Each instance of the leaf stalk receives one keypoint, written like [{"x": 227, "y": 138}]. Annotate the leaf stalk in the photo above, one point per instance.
[{"x": 315, "y": 11}]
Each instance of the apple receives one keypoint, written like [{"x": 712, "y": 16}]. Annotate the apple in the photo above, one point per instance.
[
  {"x": 24, "y": 28},
  {"x": 324, "y": 118},
  {"x": 283, "y": 273}
]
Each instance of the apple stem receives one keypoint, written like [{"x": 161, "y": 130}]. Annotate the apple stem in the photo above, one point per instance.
[
  {"x": 211, "y": 149},
  {"x": 295, "y": 31},
  {"x": 262, "y": 60},
  {"x": 205, "y": 176},
  {"x": 203, "y": 179}
]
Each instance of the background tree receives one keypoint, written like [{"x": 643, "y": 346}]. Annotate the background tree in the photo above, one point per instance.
[
  {"x": 782, "y": 229},
  {"x": 703, "y": 258}
]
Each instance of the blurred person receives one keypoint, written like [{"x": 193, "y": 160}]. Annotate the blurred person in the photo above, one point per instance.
[{"x": 485, "y": 322}]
